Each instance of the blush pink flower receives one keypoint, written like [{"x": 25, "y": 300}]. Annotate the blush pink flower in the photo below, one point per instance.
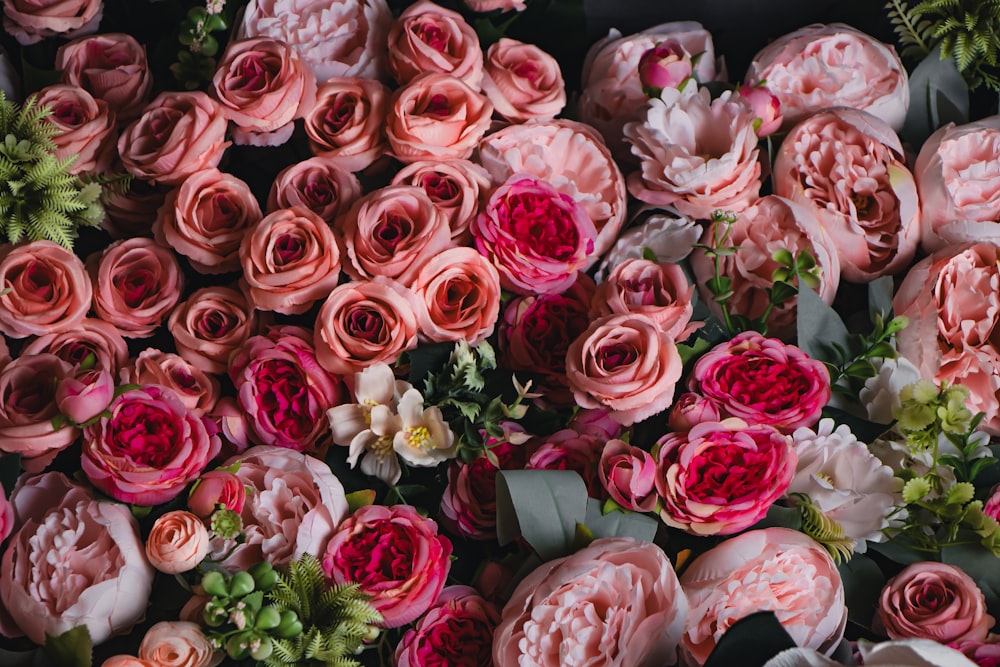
[
  {"x": 690, "y": 409},
  {"x": 45, "y": 289},
  {"x": 568, "y": 449},
  {"x": 766, "y": 108},
  {"x": 456, "y": 631},
  {"x": 112, "y": 67},
  {"x": 347, "y": 123},
  {"x": 629, "y": 476},
  {"x": 460, "y": 290},
  {"x": 658, "y": 290},
  {"x": 177, "y": 542},
  {"x": 429, "y": 38},
  {"x": 319, "y": 184},
  {"x": 458, "y": 188},
  {"x": 31, "y": 21},
  {"x": 216, "y": 487},
  {"x": 94, "y": 338},
  {"x": 198, "y": 390},
  {"x": 27, "y": 407},
  {"x": 177, "y": 644},
  {"x": 666, "y": 65},
  {"x": 523, "y": 82},
  {"x": 210, "y": 325},
  {"x": 86, "y": 394},
  {"x": 85, "y": 127}
]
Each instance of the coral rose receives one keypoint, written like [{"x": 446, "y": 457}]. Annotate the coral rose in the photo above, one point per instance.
[
  {"x": 210, "y": 325},
  {"x": 122, "y": 660},
  {"x": 458, "y": 188},
  {"x": 429, "y": 38},
  {"x": 31, "y": 21},
  {"x": 457, "y": 630},
  {"x": 319, "y": 184},
  {"x": 177, "y": 542},
  {"x": 461, "y": 292},
  {"x": 523, "y": 82},
  {"x": 94, "y": 338},
  {"x": 85, "y": 127},
  {"x": 658, "y": 290},
  {"x": 198, "y": 390},
  {"x": 629, "y": 476},
  {"x": 45, "y": 289},
  {"x": 177, "y": 644},
  {"x": 85, "y": 394},
  {"x": 216, "y": 487},
  {"x": 347, "y": 123},
  {"x": 28, "y": 406},
  {"x": 112, "y": 67}
]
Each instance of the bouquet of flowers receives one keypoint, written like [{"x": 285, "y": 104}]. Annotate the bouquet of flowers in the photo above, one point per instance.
[{"x": 413, "y": 333}]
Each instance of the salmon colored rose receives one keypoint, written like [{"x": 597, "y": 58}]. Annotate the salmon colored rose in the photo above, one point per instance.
[
  {"x": 655, "y": 289},
  {"x": 94, "y": 338},
  {"x": 210, "y": 325},
  {"x": 45, "y": 289},
  {"x": 177, "y": 542},
  {"x": 198, "y": 390},
  {"x": 523, "y": 82},
  {"x": 460, "y": 290},
  {"x": 127, "y": 661},
  {"x": 347, "y": 123},
  {"x": 457, "y": 631},
  {"x": 458, "y": 188},
  {"x": 112, "y": 67},
  {"x": 217, "y": 487},
  {"x": 429, "y": 38},
  {"x": 319, "y": 184},
  {"x": 31, "y": 21},
  {"x": 128, "y": 214},
  {"x": 85, "y": 127},
  {"x": 629, "y": 476},
  {"x": 177, "y": 644},
  {"x": 27, "y": 407},
  {"x": 84, "y": 395}
]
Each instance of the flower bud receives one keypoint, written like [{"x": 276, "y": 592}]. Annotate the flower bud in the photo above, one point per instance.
[
  {"x": 766, "y": 108},
  {"x": 666, "y": 65}
]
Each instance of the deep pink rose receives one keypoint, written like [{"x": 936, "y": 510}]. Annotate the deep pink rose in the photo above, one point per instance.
[
  {"x": 111, "y": 67},
  {"x": 567, "y": 449},
  {"x": 690, "y": 409},
  {"x": 458, "y": 188},
  {"x": 491, "y": 5},
  {"x": 31, "y": 21},
  {"x": 766, "y": 108},
  {"x": 523, "y": 82},
  {"x": 198, "y": 390},
  {"x": 460, "y": 290},
  {"x": 319, "y": 184},
  {"x": 216, "y": 487},
  {"x": 210, "y": 325},
  {"x": 137, "y": 282},
  {"x": 347, "y": 123},
  {"x": 457, "y": 631},
  {"x": 206, "y": 218},
  {"x": 429, "y": 38},
  {"x": 178, "y": 134},
  {"x": 666, "y": 65},
  {"x": 537, "y": 237},
  {"x": 627, "y": 363},
  {"x": 85, "y": 395},
  {"x": 992, "y": 506},
  {"x": 658, "y": 290},
  {"x": 6, "y": 516},
  {"x": 596, "y": 422},
  {"x": 45, "y": 289},
  {"x": 150, "y": 447},
  {"x": 469, "y": 503},
  {"x": 85, "y": 127},
  {"x": 94, "y": 338},
  {"x": 629, "y": 476},
  {"x": 701, "y": 493},
  {"x": 27, "y": 407},
  {"x": 763, "y": 381},
  {"x": 614, "y": 603},
  {"x": 395, "y": 555}
]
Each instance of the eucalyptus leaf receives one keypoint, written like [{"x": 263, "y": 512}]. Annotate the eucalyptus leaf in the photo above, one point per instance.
[
  {"x": 72, "y": 648},
  {"x": 819, "y": 327},
  {"x": 980, "y": 564},
  {"x": 938, "y": 95},
  {"x": 543, "y": 507},
  {"x": 619, "y": 523},
  {"x": 880, "y": 298},
  {"x": 863, "y": 582},
  {"x": 751, "y": 642}
]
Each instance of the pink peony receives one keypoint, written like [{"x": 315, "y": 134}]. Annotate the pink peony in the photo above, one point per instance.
[
  {"x": 347, "y": 123},
  {"x": 429, "y": 38},
  {"x": 460, "y": 290},
  {"x": 658, "y": 290},
  {"x": 319, "y": 184},
  {"x": 456, "y": 631},
  {"x": 111, "y": 67},
  {"x": 94, "y": 338},
  {"x": 458, "y": 188},
  {"x": 198, "y": 391},
  {"x": 31, "y": 21},
  {"x": 85, "y": 127},
  {"x": 211, "y": 325},
  {"x": 28, "y": 404},
  {"x": 45, "y": 289},
  {"x": 629, "y": 476},
  {"x": 523, "y": 82}
]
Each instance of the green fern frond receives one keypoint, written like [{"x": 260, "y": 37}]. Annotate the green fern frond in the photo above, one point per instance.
[{"x": 817, "y": 525}]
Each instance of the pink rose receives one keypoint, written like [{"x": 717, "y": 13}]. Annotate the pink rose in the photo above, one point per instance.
[
  {"x": 319, "y": 184},
  {"x": 6, "y": 516},
  {"x": 769, "y": 225},
  {"x": 122, "y": 660},
  {"x": 85, "y": 127},
  {"x": 835, "y": 65},
  {"x": 469, "y": 503},
  {"x": 178, "y": 134},
  {"x": 537, "y": 237},
  {"x": 85, "y": 395},
  {"x": 458, "y": 188},
  {"x": 290, "y": 260},
  {"x": 31, "y": 21},
  {"x": 573, "y": 159},
  {"x": 992, "y": 506},
  {"x": 347, "y": 123},
  {"x": 523, "y": 82},
  {"x": 111, "y": 67},
  {"x": 695, "y": 153},
  {"x": 436, "y": 116},
  {"x": 395, "y": 555},
  {"x": 128, "y": 214},
  {"x": 150, "y": 447},
  {"x": 457, "y": 630},
  {"x": 346, "y": 39},
  {"x": 137, "y": 282},
  {"x": 461, "y": 292},
  {"x": 27, "y": 407},
  {"x": 177, "y": 644},
  {"x": 627, "y": 363},
  {"x": 930, "y": 600},
  {"x": 262, "y": 86},
  {"x": 364, "y": 323},
  {"x": 482, "y": 6},
  {"x": 210, "y": 325},
  {"x": 763, "y": 381},
  {"x": 596, "y": 422},
  {"x": 766, "y": 108},
  {"x": 628, "y": 474},
  {"x": 700, "y": 497},
  {"x": 847, "y": 166},
  {"x": 429, "y": 38},
  {"x": 177, "y": 542},
  {"x": 197, "y": 390},
  {"x": 690, "y": 409},
  {"x": 216, "y": 487},
  {"x": 658, "y": 290},
  {"x": 666, "y": 65},
  {"x": 94, "y": 338},
  {"x": 205, "y": 218},
  {"x": 615, "y": 603},
  {"x": 567, "y": 449},
  {"x": 776, "y": 569},
  {"x": 233, "y": 424},
  {"x": 45, "y": 289}
]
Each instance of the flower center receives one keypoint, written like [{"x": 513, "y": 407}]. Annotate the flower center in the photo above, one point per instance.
[
  {"x": 138, "y": 285},
  {"x": 340, "y": 113},
  {"x": 438, "y": 105},
  {"x": 433, "y": 36},
  {"x": 289, "y": 249},
  {"x": 69, "y": 113},
  {"x": 419, "y": 437}
]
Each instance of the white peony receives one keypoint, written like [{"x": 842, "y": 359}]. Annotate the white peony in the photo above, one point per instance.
[{"x": 880, "y": 395}]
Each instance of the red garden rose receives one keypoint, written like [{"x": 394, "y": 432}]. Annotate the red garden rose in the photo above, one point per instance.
[
  {"x": 112, "y": 67},
  {"x": 457, "y": 631},
  {"x": 45, "y": 289}
]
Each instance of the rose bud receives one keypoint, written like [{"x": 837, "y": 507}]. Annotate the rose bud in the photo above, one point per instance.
[
  {"x": 217, "y": 487},
  {"x": 766, "y": 108},
  {"x": 83, "y": 396},
  {"x": 666, "y": 65}
]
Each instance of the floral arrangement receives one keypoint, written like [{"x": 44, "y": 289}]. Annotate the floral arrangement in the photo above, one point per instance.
[{"x": 407, "y": 334}]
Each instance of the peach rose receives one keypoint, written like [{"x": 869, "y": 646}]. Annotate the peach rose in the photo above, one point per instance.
[
  {"x": 429, "y": 38},
  {"x": 461, "y": 292},
  {"x": 85, "y": 127},
  {"x": 198, "y": 391},
  {"x": 137, "y": 282},
  {"x": 128, "y": 214},
  {"x": 436, "y": 116},
  {"x": 28, "y": 406},
  {"x": 262, "y": 86},
  {"x": 45, "y": 289},
  {"x": 112, "y": 67},
  {"x": 847, "y": 165},
  {"x": 523, "y": 82},
  {"x": 658, "y": 290},
  {"x": 31, "y": 21},
  {"x": 320, "y": 184},
  {"x": 177, "y": 644},
  {"x": 205, "y": 218},
  {"x": 127, "y": 661},
  {"x": 210, "y": 325},
  {"x": 458, "y": 188},
  {"x": 290, "y": 260},
  {"x": 216, "y": 487},
  {"x": 347, "y": 123},
  {"x": 177, "y": 542},
  {"x": 364, "y": 323},
  {"x": 178, "y": 134},
  {"x": 835, "y": 65},
  {"x": 627, "y": 363},
  {"x": 93, "y": 337},
  {"x": 392, "y": 232}
]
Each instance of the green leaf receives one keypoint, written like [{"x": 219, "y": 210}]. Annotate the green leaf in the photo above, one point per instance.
[
  {"x": 543, "y": 507},
  {"x": 751, "y": 642},
  {"x": 782, "y": 292},
  {"x": 819, "y": 327},
  {"x": 619, "y": 524},
  {"x": 915, "y": 489},
  {"x": 984, "y": 568},
  {"x": 359, "y": 499},
  {"x": 783, "y": 256},
  {"x": 938, "y": 95},
  {"x": 689, "y": 352},
  {"x": 649, "y": 255},
  {"x": 863, "y": 582},
  {"x": 880, "y": 293},
  {"x": 72, "y": 648},
  {"x": 960, "y": 494},
  {"x": 781, "y": 517}
]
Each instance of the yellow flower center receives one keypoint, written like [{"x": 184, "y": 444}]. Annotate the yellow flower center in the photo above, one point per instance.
[
  {"x": 420, "y": 437},
  {"x": 382, "y": 448}
]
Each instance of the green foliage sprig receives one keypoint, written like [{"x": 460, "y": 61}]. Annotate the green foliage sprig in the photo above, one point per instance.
[{"x": 196, "y": 62}]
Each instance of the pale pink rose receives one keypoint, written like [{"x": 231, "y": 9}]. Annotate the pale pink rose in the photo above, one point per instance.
[
  {"x": 198, "y": 390},
  {"x": 959, "y": 184},
  {"x": 128, "y": 214},
  {"x": 233, "y": 424},
  {"x": 137, "y": 282},
  {"x": 395, "y": 555},
  {"x": 436, "y": 116},
  {"x": 347, "y": 123},
  {"x": 127, "y": 661},
  {"x": 205, "y": 218},
  {"x": 31, "y": 21},
  {"x": 210, "y": 325},
  {"x": 536, "y": 237},
  {"x": 178, "y": 134},
  {"x": 262, "y": 86},
  {"x": 763, "y": 381},
  {"x": 626, "y": 363},
  {"x": 931, "y": 600},
  {"x": 149, "y": 449},
  {"x": 572, "y": 158},
  {"x": 86, "y": 394},
  {"x": 614, "y": 603},
  {"x": 769, "y": 225},
  {"x": 629, "y": 473},
  {"x": 458, "y": 188},
  {"x": 457, "y": 630},
  {"x": 216, "y": 487},
  {"x": 596, "y": 422},
  {"x": 461, "y": 292},
  {"x": 695, "y": 153},
  {"x": 766, "y": 108},
  {"x": 94, "y": 338},
  {"x": 567, "y": 449},
  {"x": 776, "y": 569},
  {"x": 177, "y": 644},
  {"x": 835, "y": 65},
  {"x": 365, "y": 322},
  {"x": 6, "y": 516},
  {"x": 85, "y": 127},
  {"x": 34, "y": 496},
  {"x": 847, "y": 166},
  {"x": 111, "y": 67},
  {"x": 523, "y": 82},
  {"x": 392, "y": 232},
  {"x": 290, "y": 260},
  {"x": 45, "y": 289},
  {"x": 342, "y": 39},
  {"x": 660, "y": 291},
  {"x": 28, "y": 406},
  {"x": 698, "y": 495},
  {"x": 429, "y": 38},
  {"x": 177, "y": 542},
  {"x": 319, "y": 184},
  {"x": 691, "y": 409}
]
